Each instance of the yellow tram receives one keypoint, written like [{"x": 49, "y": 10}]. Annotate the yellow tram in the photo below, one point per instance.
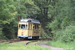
[{"x": 29, "y": 28}]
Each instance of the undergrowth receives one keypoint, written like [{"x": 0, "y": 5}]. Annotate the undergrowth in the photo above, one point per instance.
[
  {"x": 65, "y": 35},
  {"x": 67, "y": 46}
]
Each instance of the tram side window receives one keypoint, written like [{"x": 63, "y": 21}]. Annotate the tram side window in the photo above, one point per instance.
[
  {"x": 36, "y": 26},
  {"x": 23, "y": 26},
  {"x": 31, "y": 26}
]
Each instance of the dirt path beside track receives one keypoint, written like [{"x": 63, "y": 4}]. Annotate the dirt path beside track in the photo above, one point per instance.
[{"x": 48, "y": 46}]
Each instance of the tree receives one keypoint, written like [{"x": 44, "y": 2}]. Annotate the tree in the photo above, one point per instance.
[
  {"x": 63, "y": 22},
  {"x": 7, "y": 15}
]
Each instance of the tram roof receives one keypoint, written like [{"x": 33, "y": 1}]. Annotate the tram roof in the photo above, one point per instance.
[{"x": 30, "y": 20}]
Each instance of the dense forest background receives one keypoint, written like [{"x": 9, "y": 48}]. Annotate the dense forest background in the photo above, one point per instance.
[{"x": 56, "y": 16}]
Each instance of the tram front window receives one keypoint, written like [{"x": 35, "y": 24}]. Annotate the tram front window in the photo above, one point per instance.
[{"x": 23, "y": 26}]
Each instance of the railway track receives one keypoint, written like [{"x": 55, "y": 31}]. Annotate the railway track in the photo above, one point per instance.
[
  {"x": 30, "y": 41},
  {"x": 44, "y": 39}
]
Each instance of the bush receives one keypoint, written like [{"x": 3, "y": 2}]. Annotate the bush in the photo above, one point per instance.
[
  {"x": 44, "y": 34},
  {"x": 1, "y": 31},
  {"x": 66, "y": 35}
]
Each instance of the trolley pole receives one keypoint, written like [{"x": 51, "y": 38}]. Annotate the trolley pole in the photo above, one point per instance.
[{"x": 19, "y": 11}]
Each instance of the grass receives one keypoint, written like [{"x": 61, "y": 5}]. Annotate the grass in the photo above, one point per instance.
[
  {"x": 67, "y": 46},
  {"x": 20, "y": 46}
]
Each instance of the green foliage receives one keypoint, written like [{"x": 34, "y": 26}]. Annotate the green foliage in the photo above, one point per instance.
[
  {"x": 10, "y": 30},
  {"x": 66, "y": 35},
  {"x": 6, "y": 11},
  {"x": 44, "y": 34},
  {"x": 62, "y": 23},
  {"x": 66, "y": 46},
  {"x": 54, "y": 16},
  {"x": 1, "y": 31},
  {"x": 21, "y": 46},
  {"x": 7, "y": 18},
  {"x": 27, "y": 8},
  {"x": 54, "y": 25}
]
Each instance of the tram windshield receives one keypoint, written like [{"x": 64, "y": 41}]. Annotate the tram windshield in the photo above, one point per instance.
[{"x": 23, "y": 26}]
